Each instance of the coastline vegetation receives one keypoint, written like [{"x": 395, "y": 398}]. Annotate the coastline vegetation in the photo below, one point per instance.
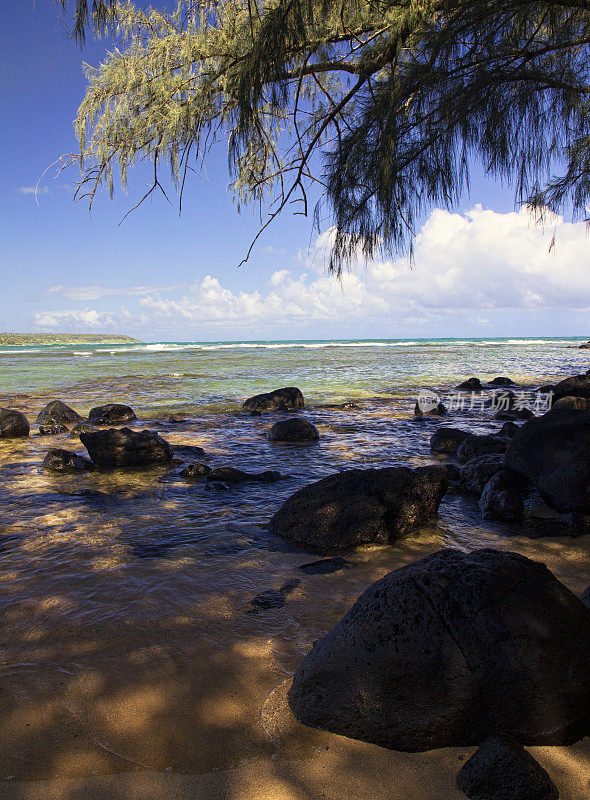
[{"x": 14, "y": 339}]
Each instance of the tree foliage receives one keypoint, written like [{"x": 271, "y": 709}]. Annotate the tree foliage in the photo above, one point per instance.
[{"x": 384, "y": 104}]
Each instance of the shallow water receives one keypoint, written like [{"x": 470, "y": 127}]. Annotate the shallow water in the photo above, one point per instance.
[{"x": 129, "y": 638}]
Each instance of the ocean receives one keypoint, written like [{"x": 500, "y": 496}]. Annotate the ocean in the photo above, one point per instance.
[{"x": 129, "y": 639}]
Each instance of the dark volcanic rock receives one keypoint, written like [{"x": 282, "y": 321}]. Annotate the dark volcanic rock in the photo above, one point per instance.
[
  {"x": 585, "y": 346},
  {"x": 422, "y": 410},
  {"x": 52, "y": 430},
  {"x": 501, "y": 380},
  {"x": 453, "y": 472},
  {"x": 360, "y": 506},
  {"x": 499, "y": 501},
  {"x": 577, "y": 386},
  {"x": 508, "y": 429},
  {"x": 326, "y": 566},
  {"x": 447, "y": 440},
  {"x": 272, "y": 598},
  {"x": 585, "y": 597},
  {"x": 477, "y": 472},
  {"x": 450, "y": 650},
  {"x": 553, "y": 453},
  {"x": 195, "y": 472},
  {"x": 111, "y": 414},
  {"x": 188, "y": 451},
  {"x": 126, "y": 448},
  {"x": 294, "y": 429},
  {"x": 470, "y": 385},
  {"x": 58, "y": 460},
  {"x": 13, "y": 424},
  {"x": 81, "y": 427},
  {"x": 56, "y": 412},
  {"x": 516, "y": 414},
  {"x": 285, "y": 399},
  {"x": 503, "y": 770},
  {"x": 233, "y": 475},
  {"x": 474, "y": 446}
]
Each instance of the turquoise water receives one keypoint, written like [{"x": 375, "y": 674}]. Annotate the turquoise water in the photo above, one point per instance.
[{"x": 127, "y": 631}]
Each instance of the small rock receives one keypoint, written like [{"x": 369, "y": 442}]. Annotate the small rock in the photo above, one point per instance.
[
  {"x": 503, "y": 770},
  {"x": 501, "y": 380},
  {"x": 474, "y": 446},
  {"x": 275, "y": 598},
  {"x": 477, "y": 472},
  {"x": 470, "y": 385},
  {"x": 439, "y": 410},
  {"x": 516, "y": 414},
  {"x": 188, "y": 451},
  {"x": 81, "y": 427},
  {"x": 13, "y": 424},
  {"x": 57, "y": 412},
  {"x": 111, "y": 414},
  {"x": 508, "y": 430},
  {"x": 295, "y": 429},
  {"x": 288, "y": 398},
  {"x": 58, "y": 460},
  {"x": 195, "y": 472},
  {"x": 52, "y": 430},
  {"x": 585, "y": 346},
  {"x": 233, "y": 475},
  {"x": 447, "y": 440},
  {"x": 499, "y": 501}
]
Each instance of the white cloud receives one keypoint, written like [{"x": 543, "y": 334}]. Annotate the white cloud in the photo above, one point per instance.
[
  {"x": 36, "y": 190},
  {"x": 479, "y": 263},
  {"x": 86, "y": 293},
  {"x": 80, "y": 319}
]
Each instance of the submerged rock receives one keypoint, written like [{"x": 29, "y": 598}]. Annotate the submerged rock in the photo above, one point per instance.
[
  {"x": 233, "y": 475},
  {"x": 57, "y": 412},
  {"x": 126, "y": 448},
  {"x": 272, "y": 598},
  {"x": 360, "y": 506},
  {"x": 553, "y": 453},
  {"x": 295, "y": 429},
  {"x": 325, "y": 566},
  {"x": 195, "y": 472},
  {"x": 475, "y": 446},
  {"x": 81, "y": 427},
  {"x": 450, "y": 650},
  {"x": 503, "y": 770},
  {"x": 52, "y": 430},
  {"x": 422, "y": 410},
  {"x": 188, "y": 451},
  {"x": 13, "y": 424},
  {"x": 59, "y": 460},
  {"x": 111, "y": 414},
  {"x": 516, "y": 414},
  {"x": 447, "y": 440},
  {"x": 288, "y": 398}
]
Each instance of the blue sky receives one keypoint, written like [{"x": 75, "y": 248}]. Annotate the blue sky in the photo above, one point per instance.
[{"x": 482, "y": 270}]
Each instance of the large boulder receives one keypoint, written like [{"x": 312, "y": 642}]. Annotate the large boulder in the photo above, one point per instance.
[
  {"x": 478, "y": 471},
  {"x": 447, "y": 440},
  {"x": 59, "y": 460},
  {"x": 111, "y": 414},
  {"x": 13, "y": 424},
  {"x": 286, "y": 399},
  {"x": 360, "y": 506},
  {"x": 294, "y": 429},
  {"x": 56, "y": 413},
  {"x": 475, "y": 446},
  {"x": 553, "y": 453},
  {"x": 576, "y": 386},
  {"x": 503, "y": 770},
  {"x": 450, "y": 650},
  {"x": 126, "y": 448}
]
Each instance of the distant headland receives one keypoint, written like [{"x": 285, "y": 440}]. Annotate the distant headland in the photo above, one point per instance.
[{"x": 65, "y": 338}]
